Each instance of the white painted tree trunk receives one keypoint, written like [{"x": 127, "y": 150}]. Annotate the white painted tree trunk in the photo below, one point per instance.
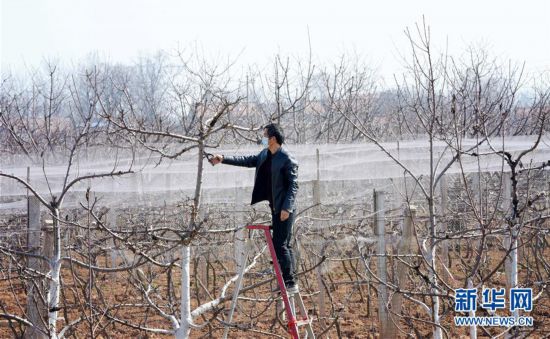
[
  {"x": 473, "y": 329},
  {"x": 510, "y": 241},
  {"x": 54, "y": 288},
  {"x": 185, "y": 319},
  {"x": 437, "y": 333},
  {"x": 512, "y": 267}
]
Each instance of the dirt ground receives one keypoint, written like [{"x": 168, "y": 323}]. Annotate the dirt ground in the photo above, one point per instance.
[{"x": 351, "y": 307}]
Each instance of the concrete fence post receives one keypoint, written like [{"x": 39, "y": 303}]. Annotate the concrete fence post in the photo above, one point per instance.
[
  {"x": 404, "y": 248},
  {"x": 36, "y": 309}
]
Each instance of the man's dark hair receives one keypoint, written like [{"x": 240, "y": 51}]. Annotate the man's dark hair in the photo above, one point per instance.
[{"x": 274, "y": 130}]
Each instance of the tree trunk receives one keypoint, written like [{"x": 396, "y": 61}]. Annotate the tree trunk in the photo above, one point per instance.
[
  {"x": 185, "y": 319},
  {"x": 55, "y": 270}
]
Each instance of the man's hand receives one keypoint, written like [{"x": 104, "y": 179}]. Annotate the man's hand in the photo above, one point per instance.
[
  {"x": 218, "y": 158},
  {"x": 284, "y": 215}
]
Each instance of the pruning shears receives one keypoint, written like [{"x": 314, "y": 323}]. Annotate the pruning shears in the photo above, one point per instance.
[{"x": 209, "y": 157}]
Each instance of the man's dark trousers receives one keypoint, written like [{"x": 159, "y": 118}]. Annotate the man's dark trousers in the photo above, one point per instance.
[{"x": 282, "y": 235}]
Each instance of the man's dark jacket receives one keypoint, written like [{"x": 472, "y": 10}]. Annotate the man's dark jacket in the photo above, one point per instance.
[{"x": 284, "y": 177}]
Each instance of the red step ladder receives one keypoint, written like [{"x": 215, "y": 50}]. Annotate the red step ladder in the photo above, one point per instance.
[{"x": 288, "y": 300}]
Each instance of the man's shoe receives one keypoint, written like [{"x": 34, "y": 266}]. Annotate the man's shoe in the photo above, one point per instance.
[{"x": 290, "y": 289}]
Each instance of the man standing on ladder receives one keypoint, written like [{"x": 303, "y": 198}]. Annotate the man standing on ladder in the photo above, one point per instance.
[{"x": 276, "y": 180}]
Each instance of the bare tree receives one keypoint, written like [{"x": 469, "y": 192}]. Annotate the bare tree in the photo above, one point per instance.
[
  {"x": 53, "y": 124},
  {"x": 442, "y": 101}
]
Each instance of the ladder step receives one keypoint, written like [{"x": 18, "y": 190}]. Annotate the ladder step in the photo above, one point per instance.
[{"x": 303, "y": 322}]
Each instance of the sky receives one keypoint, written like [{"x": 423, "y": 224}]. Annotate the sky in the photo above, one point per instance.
[{"x": 254, "y": 31}]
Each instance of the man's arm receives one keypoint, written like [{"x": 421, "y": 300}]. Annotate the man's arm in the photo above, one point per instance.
[
  {"x": 240, "y": 160},
  {"x": 291, "y": 176}
]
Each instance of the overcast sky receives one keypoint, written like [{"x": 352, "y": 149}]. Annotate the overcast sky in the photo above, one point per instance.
[{"x": 119, "y": 30}]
